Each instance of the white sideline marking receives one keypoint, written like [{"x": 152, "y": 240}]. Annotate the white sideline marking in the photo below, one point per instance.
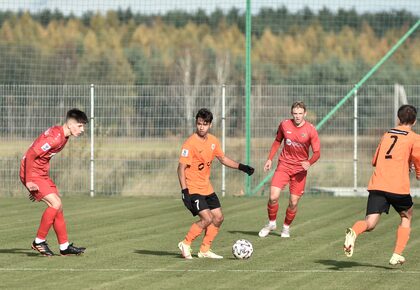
[{"x": 390, "y": 271}]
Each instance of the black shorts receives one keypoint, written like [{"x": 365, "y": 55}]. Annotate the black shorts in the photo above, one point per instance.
[
  {"x": 379, "y": 202},
  {"x": 201, "y": 202}
]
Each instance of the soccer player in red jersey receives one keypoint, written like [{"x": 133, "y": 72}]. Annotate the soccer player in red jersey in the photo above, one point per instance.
[
  {"x": 198, "y": 195},
  {"x": 34, "y": 171},
  {"x": 294, "y": 162}
]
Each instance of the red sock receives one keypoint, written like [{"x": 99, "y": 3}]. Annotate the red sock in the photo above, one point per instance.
[
  {"x": 60, "y": 228},
  {"x": 46, "y": 222},
  {"x": 272, "y": 211},
  {"x": 290, "y": 216}
]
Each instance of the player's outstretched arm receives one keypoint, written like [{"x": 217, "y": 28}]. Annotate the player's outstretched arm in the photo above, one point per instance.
[{"x": 226, "y": 161}]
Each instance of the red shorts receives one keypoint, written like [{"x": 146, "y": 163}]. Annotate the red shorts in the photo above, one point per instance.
[
  {"x": 296, "y": 180},
  {"x": 46, "y": 186}
]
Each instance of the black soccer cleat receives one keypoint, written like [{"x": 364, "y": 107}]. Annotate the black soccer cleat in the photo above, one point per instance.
[
  {"x": 42, "y": 248},
  {"x": 72, "y": 250}
]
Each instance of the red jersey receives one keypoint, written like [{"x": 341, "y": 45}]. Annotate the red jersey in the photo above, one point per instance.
[
  {"x": 45, "y": 147},
  {"x": 297, "y": 141}
]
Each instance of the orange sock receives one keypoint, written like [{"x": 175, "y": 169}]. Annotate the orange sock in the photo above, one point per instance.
[
  {"x": 192, "y": 234},
  {"x": 359, "y": 227},
  {"x": 403, "y": 234},
  {"x": 211, "y": 234}
]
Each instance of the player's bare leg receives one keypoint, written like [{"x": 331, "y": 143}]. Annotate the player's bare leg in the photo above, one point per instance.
[
  {"x": 290, "y": 214},
  {"x": 272, "y": 208},
  {"x": 211, "y": 232},
  {"x": 403, "y": 235},
  {"x": 368, "y": 224},
  {"x": 206, "y": 219}
]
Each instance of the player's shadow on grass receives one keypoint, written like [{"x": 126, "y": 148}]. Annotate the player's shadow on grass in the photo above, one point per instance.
[
  {"x": 27, "y": 252},
  {"x": 158, "y": 253},
  {"x": 340, "y": 265},
  {"x": 251, "y": 233}
]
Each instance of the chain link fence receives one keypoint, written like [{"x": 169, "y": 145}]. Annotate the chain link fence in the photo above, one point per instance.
[{"x": 139, "y": 131}]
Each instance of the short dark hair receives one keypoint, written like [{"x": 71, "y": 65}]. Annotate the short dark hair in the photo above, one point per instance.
[
  {"x": 407, "y": 114},
  {"x": 204, "y": 114},
  {"x": 78, "y": 115},
  {"x": 298, "y": 104}
]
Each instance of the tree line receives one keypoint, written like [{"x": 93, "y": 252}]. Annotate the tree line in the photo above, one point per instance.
[{"x": 199, "y": 48}]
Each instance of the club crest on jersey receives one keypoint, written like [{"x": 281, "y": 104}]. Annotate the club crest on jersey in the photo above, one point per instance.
[
  {"x": 184, "y": 153},
  {"x": 46, "y": 147},
  {"x": 303, "y": 135},
  {"x": 288, "y": 142},
  {"x": 213, "y": 146}
]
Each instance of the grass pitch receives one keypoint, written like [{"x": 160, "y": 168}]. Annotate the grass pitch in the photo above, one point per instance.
[{"x": 132, "y": 244}]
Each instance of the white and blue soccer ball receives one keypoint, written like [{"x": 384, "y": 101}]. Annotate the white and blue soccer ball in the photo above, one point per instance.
[{"x": 242, "y": 249}]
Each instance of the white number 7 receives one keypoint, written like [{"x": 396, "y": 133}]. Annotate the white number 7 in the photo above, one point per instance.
[{"x": 197, "y": 204}]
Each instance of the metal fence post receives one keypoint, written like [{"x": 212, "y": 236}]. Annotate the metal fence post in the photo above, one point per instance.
[
  {"x": 355, "y": 134},
  {"x": 223, "y": 137},
  {"x": 92, "y": 140}
]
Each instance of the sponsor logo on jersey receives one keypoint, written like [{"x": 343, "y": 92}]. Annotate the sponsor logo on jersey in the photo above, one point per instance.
[
  {"x": 213, "y": 146},
  {"x": 184, "y": 153},
  {"x": 295, "y": 144},
  {"x": 288, "y": 132},
  {"x": 46, "y": 147}
]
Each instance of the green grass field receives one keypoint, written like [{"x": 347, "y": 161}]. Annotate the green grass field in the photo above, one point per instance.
[{"x": 132, "y": 244}]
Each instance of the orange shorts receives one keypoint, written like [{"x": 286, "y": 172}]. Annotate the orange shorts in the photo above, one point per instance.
[
  {"x": 296, "y": 180},
  {"x": 46, "y": 186}
]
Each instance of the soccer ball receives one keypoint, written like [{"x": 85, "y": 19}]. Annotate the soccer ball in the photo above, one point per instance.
[{"x": 242, "y": 249}]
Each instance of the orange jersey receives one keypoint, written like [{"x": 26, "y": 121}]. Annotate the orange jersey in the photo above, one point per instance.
[
  {"x": 198, "y": 154},
  {"x": 398, "y": 148}
]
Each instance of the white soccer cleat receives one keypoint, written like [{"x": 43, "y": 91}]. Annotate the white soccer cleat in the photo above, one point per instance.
[
  {"x": 349, "y": 242},
  {"x": 285, "y": 232},
  {"x": 396, "y": 260},
  {"x": 266, "y": 230},
  {"x": 185, "y": 250},
  {"x": 209, "y": 254}
]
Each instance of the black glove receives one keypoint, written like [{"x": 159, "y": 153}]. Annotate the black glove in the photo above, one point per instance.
[
  {"x": 31, "y": 197},
  {"x": 186, "y": 198},
  {"x": 245, "y": 168}
]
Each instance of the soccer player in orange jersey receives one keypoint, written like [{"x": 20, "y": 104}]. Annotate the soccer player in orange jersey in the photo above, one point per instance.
[
  {"x": 198, "y": 195},
  {"x": 34, "y": 174},
  {"x": 390, "y": 183},
  {"x": 294, "y": 162}
]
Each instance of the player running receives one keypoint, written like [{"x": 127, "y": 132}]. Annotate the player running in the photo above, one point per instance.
[
  {"x": 34, "y": 170},
  {"x": 198, "y": 195},
  {"x": 390, "y": 183},
  {"x": 298, "y": 136}
]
